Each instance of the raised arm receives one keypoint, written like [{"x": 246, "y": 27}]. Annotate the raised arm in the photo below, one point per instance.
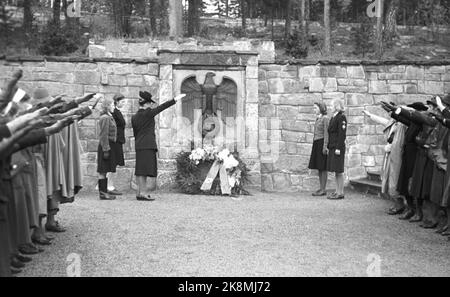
[{"x": 377, "y": 119}]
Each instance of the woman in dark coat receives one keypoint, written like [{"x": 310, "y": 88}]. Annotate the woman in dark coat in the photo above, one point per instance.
[
  {"x": 120, "y": 141},
  {"x": 143, "y": 123},
  {"x": 337, "y": 132},
  {"x": 318, "y": 160},
  {"x": 106, "y": 158}
]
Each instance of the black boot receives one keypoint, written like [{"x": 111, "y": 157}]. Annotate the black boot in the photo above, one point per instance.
[{"x": 103, "y": 190}]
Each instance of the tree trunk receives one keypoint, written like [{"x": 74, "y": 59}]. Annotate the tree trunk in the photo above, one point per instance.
[
  {"x": 152, "y": 16},
  {"x": 303, "y": 21},
  {"x": 227, "y": 8},
  {"x": 287, "y": 26},
  {"x": 27, "y": 16},
  {"x": 244, "y": 16},
  {"x": 390, "y": 29},
  {"x": 380, "y": 46},
  {"x": 175, "y": 18},
  {"x": 56, "y": 13},
  {"x": 327, "y": 27}
]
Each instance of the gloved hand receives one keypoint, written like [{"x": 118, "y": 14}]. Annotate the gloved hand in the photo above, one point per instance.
[{"x": 106, "y": 155}]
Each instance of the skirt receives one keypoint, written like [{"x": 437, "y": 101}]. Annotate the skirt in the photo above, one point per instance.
[
  {"x": 437, "y": 185},
  {"x": 335, "y": 163},
  {"x": 418, "y": 173},
  {"x": 118, "y": 152},
  {"x": 110, "y": 164},
  {"x": 318, "y": 160},
  {"x": 146, "y": 163},
  {"x": 407, "y": 169}
]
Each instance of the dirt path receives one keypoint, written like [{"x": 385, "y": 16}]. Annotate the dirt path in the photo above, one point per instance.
[{"x": 261, "y": 235}]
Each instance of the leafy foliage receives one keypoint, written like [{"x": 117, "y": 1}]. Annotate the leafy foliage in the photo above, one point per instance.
[
  {"x": 363, "y": 37},
  {"x": 297, "y": 45},
  {"x": 58, "y": 41}
]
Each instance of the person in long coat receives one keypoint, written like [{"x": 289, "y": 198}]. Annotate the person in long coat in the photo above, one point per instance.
[
  {"x": 395, "y": 136},
  {"x": 120, "y": 141},
  {"x": 143, "y": 123},
  {"x": 106, "y": 155},
  {"x": 337, "y": 132},
  {"x": 319, "y": 152}
]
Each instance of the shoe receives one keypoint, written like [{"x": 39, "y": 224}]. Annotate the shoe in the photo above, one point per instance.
[
  {"x": 23, "y": 258},
  {"x": 416, "y": 218},
  {"x": 56, "y": 228},
  {"x": 446, "y": 233},
  {"x": 442, "y": 229},
  {"x": 16, "y": 263},
  {"x": 15, "y": 270},
  {"x": 319, "y": 193},
  {"x": 106, "y": 196},
  {"x": 407, "y": 215},
  {"x": 395, "y": 211},
  {"x": 334, "y": 194},
  {"x": 428, "y": 225},
  {"x": 41, "y": 241},
  {"x": 336, "y": 197},
  {"x": 114, "y": 193},
  {"x": 145, "y": 198},
  {"x": 28, "y": 250}
]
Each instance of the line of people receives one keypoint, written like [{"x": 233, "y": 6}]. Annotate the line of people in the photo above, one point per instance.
[
  {"x": 40, "y": 168},
  {"x": 416, "y": 171}
]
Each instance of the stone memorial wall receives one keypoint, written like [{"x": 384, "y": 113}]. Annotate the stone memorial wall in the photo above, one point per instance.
[{"x": 276, "y": 101}]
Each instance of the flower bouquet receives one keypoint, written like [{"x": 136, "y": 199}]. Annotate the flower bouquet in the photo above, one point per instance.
[{"x": 211, "y": 170}]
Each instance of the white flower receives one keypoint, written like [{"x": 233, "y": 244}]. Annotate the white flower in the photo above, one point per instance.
[
  {"x": 230, "y": 162},
  {"x": 197, "y": 155},
  {"x": 223, "y": 154}
]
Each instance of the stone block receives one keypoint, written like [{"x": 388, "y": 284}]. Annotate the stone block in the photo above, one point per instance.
[
  {"x": 267, "y": 110},
  {"x": 267, "y": 183},
  {"x": 135, "y": 80},
  {"x": 435, "y": 69},
  {"x": 356, "y": 72},
  {"x": 352, "y": 89},
  {"x": 292, "y": 136},
  {"x": 358, "y": 99},
  {"x": 323, "y": 85},
  {"x": 251, "y": 72},
  {"x": 287, "y": 112},
  {"x": 415, "y": 72},
  {"x": 117, "y": 80},
  {"x": 252, "y": 90},
  {"x": 263, "y": 88},
  {"x": 354, "y": 160},
  {"x": 378, "y": 87},
  {"x": 431, "y": 87},
  {"x": 368, "y": 161},
  {"x": 86, "y": 77},
  {"x": 281, "y": 181}
]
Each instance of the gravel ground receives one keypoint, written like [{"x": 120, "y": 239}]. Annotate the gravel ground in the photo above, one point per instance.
[{"x": 260, "y": 235}]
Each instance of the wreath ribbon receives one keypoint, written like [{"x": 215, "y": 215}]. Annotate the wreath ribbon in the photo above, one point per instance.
[{"x": 217, "y": 168}]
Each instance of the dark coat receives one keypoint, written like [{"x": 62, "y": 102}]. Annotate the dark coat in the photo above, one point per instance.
[
  {"x": 143, "y": 123},
  {"x": 120, "y": 123},
  {"x": 337, "y": 132}
]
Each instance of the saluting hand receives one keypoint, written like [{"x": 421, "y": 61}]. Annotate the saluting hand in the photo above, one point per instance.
[{"x": 179, "y": 97}]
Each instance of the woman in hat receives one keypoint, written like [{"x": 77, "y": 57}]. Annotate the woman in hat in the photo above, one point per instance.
[
  {"x": 318, "y": 160},
  {"x": 106, "y": 155},
  {"x": 337, "y": 131},
  {"x": 143, "y": 123},
  {"x": 120, "y": 141}
]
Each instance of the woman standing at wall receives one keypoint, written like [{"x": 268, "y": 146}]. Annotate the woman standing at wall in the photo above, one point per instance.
[
  {"x": 106, "y": 157},
  {"x": 337, "y": 131},
  {"x": 143, "y": 123},
  {"x": 120, "y": 141},
  {"x": 318, "y": 160}
]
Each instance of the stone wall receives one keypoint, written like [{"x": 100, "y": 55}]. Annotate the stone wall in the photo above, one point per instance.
[
  {"x": 80, "y": 76},
  {"x": 287, "y": 92},
  {"x": 286, "y": 95}
]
